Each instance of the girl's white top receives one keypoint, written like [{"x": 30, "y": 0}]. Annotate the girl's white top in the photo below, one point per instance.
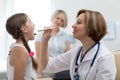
[{"x": 29, "y": 72}]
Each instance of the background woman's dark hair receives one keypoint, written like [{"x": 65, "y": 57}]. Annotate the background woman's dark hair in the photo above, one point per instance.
[
  {"x": 95, "y": 24},
  {"x": 13, "y": 27}
]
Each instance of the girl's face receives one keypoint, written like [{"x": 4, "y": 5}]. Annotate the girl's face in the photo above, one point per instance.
[
  {"x": 79, "y": 28},
  {"x": 58, "y": 20},
  {"x": 30, "y": 29}
]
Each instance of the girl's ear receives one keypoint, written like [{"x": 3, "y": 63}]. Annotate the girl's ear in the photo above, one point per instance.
[{"x": 24, "y": 29}]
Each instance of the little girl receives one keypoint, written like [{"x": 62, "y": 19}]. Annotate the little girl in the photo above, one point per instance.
[{"x": 21, "y": 65}]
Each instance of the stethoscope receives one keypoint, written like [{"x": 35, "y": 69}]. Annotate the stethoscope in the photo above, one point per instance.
[{"x": 76, "y": 75}]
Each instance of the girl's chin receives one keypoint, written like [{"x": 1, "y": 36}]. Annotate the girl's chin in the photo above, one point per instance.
[{"x": 32, "y": 38}]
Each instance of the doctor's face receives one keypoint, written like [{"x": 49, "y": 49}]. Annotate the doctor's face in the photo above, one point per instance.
[{"x": 79, "y": 27}]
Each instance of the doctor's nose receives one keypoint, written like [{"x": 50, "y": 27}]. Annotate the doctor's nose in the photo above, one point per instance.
[{"x": 73, "y": 26}]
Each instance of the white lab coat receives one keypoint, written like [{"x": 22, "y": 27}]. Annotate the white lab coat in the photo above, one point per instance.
[{"x": 103, "y": 68}]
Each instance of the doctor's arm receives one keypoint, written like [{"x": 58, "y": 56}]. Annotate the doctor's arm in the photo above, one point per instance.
[
  {"x": 37, "y": 49},
  {"x": 43, "y": 60}
]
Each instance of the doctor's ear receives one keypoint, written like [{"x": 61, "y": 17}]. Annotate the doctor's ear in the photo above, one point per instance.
[{"x": 24, "y": 29}]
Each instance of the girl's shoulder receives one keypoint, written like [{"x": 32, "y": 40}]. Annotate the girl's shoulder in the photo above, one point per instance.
[{"x": 18, "y": 50}]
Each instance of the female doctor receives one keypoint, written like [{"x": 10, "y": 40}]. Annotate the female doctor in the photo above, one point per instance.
[{"x": 92, "y": 60}]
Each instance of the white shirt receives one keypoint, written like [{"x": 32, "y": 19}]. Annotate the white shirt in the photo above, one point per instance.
[
  {"x": 103, "y": 68},
  {"x": 29, "y": 72},
  {"x": 57, "y": 44}
]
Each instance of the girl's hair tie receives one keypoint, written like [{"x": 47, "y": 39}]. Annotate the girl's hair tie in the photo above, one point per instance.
[{"x": 31, "y": 54}]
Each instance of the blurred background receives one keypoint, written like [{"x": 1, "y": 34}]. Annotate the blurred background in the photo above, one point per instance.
[{"x": 40, "y": 11}]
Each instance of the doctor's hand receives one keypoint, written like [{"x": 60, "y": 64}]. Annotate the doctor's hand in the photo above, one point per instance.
[{"x": 46, "y": 34}]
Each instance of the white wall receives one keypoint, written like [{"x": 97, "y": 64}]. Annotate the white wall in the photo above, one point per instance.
[
  {"x": 109, "y": 8},
  {"x": 5, "y": 41}
]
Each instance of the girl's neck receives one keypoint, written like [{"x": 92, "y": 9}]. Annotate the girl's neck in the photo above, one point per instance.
[{"x": 19, "y": 42}]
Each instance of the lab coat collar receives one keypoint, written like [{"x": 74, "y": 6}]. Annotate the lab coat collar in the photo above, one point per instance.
[{"x": 90, "y": 54}]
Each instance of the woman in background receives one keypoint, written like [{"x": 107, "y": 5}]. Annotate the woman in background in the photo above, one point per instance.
[
  {"x": 21, "y": 65},
  {"x": 59, "y": 41},
  {"x": 92, "y": 60}
]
